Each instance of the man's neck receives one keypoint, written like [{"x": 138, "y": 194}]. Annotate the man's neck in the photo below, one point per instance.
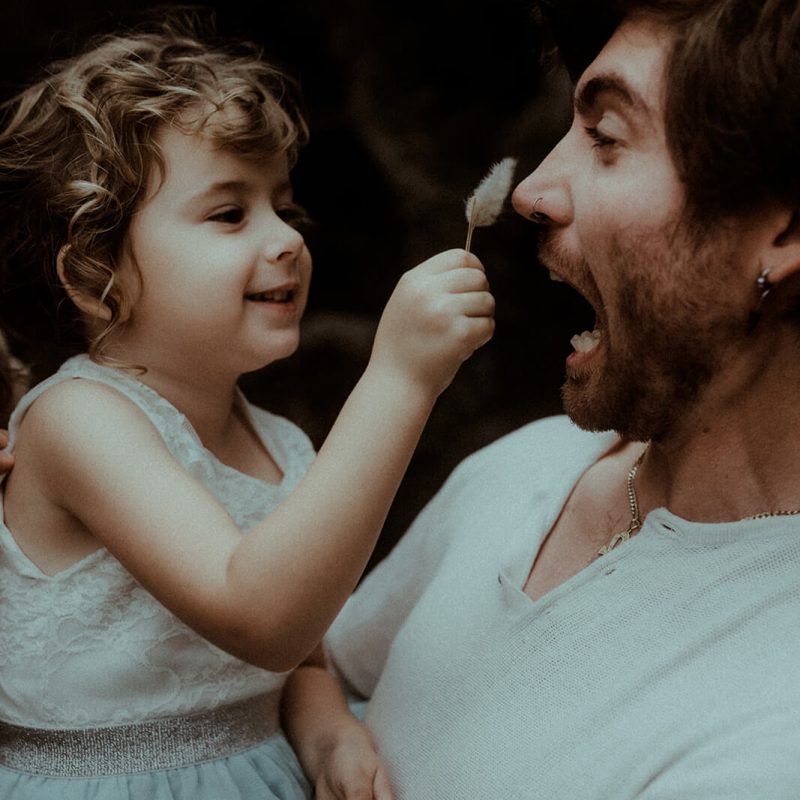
[{"x": 736, "y": 453}]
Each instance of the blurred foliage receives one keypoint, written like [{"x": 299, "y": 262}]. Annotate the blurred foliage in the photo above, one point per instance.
[{"x": 409, "y": 104}]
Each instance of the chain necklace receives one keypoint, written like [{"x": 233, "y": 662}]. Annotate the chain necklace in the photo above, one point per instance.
[{"x": 636, "y": 521}]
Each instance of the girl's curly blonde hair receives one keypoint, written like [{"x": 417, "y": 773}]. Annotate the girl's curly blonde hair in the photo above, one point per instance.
[{"x": 77, "y": 149}]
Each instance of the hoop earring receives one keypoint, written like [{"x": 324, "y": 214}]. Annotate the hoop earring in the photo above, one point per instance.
[
  {"x": 764, "y": 287},
  {"x": 539, "y": 217}
]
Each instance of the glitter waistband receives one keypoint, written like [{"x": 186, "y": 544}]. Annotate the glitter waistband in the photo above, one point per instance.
[{"x": 140, "y": 746}]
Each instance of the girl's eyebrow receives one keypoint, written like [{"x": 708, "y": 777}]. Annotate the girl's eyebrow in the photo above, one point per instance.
[
  {"x": 220, "y": 187},
  {"x": 240, "y": 186}
]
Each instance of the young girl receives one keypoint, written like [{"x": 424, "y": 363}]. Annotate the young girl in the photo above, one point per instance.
[{"x": 168, "y": 551}]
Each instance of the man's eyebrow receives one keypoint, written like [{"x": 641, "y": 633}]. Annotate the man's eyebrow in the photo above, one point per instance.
[{"x": 587, "y": 94}]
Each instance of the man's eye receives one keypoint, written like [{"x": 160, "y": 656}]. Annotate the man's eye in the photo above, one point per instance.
[
  {"x": 228, "y": 216},
  {"x": 599, "y": 139}
]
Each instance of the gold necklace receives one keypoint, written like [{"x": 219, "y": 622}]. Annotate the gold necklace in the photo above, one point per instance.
[{"x": 636, "y": 522}]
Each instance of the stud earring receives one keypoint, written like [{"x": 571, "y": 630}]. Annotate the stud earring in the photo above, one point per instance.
[{"x": 764, "y": 287}]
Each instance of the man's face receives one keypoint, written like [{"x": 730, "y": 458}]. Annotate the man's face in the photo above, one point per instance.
[{"x": 668, "y": 307}]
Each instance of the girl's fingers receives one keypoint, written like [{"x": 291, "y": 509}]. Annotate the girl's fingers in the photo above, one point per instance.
[
  {"x": 6, "y": 463},
  {"x": 475, "y": 332},
  {"x": 382, "y": 790},
  {"x": 323, "y": 792},
  {"x": 450, "y": 260},
  {"x": 477, "y": 304},
  {"x": 462, "y": 280}
]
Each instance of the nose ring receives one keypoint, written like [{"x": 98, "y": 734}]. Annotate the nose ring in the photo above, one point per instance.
[{"x": 537, "y": 216}]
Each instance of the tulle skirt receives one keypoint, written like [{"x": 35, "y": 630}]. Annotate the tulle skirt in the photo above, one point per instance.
[{"x": 268, "y": 771}]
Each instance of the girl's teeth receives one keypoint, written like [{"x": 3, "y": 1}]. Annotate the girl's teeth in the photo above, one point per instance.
[
  {"x": 586, "y": 341},
  {"x": 275, "y": 297}
]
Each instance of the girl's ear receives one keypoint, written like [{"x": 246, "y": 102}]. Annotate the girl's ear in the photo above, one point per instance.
[{"x": 91, "y": 306}]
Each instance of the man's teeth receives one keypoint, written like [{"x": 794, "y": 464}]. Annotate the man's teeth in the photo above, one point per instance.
[
  {"x": 586, "y": 341},
  {"x": 555, "y": 277}
]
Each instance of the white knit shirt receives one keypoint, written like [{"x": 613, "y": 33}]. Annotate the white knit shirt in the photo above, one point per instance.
[{"x": 669, "y": 669}]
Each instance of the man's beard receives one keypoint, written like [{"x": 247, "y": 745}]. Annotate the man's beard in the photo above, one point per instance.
[{"x": 670, "y": 332}]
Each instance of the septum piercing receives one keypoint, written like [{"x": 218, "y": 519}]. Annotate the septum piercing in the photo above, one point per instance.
[{"x": 537, "y": 216}]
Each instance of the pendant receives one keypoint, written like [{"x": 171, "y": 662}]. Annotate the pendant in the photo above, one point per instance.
[{"x": 620, "y": 537}]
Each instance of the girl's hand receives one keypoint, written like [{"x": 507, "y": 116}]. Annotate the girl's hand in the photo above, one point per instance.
[
  {"x": 6, "y": 459},
  {"x": 440, "y": 312},
  {"x": 352, "y": 770}
]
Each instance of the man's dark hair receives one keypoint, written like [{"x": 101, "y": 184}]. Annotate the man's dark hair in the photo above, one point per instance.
[{"x": 732, "y": 105}]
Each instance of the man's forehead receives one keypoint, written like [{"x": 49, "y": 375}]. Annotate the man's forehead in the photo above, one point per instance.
[{"x": 631, "y": 66}]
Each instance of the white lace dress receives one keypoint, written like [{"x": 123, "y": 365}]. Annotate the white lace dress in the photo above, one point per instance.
[{"x": 90, "y": 649}]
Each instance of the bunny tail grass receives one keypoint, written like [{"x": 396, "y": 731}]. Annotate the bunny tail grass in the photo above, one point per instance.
[{"x": 484, "y": 205}]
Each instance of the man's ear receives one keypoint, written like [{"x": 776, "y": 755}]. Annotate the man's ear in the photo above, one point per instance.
[
  {"x": 782, "y": 254},
  {"x": 93, "y": 307}
]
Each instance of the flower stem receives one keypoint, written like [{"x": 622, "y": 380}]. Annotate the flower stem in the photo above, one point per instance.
[{"x": 471, "y": 226}]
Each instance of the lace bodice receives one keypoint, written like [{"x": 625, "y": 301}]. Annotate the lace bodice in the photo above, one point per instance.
[{"x": 89, "y": 646}]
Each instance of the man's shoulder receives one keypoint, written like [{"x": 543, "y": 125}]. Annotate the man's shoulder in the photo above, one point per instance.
[
  {"x": 547, "y": 442},
  {"x": 537, "y": 457}
]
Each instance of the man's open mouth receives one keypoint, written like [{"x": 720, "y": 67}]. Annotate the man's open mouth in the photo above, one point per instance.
[{"x": 589, "y": 339}]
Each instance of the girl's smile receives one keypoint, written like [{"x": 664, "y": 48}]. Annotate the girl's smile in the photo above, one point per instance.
[{"x": 216, "y": 258}]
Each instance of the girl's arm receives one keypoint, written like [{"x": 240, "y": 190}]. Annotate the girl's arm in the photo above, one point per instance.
[
  {"x": 336, "y": 749},
  {"x": 269, "y": 596}
]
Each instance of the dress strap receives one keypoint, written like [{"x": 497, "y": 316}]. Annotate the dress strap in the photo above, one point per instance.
[{"x": 154, "y": 744}]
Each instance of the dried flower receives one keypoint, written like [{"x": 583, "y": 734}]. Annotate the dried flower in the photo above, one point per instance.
[{"x": 485, "y": 204}]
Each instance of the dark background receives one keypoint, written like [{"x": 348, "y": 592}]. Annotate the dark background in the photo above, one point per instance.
[{"x": 409, "y": 104}]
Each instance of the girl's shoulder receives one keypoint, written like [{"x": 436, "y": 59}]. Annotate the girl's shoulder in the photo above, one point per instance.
[
  {"x": 60, "y": 402},
  {"x": 73, "y": 423}
]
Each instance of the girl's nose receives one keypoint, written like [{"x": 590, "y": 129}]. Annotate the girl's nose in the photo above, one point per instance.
[{"x": 282, "y": 241}]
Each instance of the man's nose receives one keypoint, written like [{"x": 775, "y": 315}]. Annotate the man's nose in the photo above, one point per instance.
[{"x": 545, "y": 196}]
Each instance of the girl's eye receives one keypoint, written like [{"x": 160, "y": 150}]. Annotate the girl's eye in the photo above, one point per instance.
[
  {"x": 294, "y": 215},
  {"x": 228, "y": 216}
]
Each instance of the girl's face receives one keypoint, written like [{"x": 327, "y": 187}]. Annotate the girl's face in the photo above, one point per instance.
[{"x": 223, "y": 275}]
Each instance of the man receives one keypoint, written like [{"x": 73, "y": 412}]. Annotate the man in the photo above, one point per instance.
[{"x": 617, "y": 615}]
